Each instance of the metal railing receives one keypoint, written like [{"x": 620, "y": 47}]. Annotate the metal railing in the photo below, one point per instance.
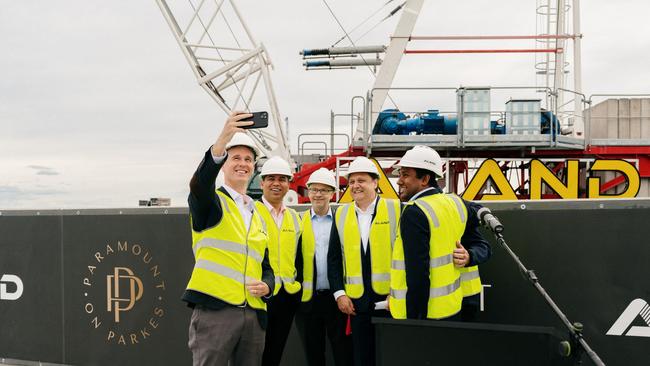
[
  {"x": 578, "y": 124},
  {"x": 331, "y": 147}
]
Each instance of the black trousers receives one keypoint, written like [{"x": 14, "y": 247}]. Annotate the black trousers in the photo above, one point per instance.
[
  {"x": 363, "y": 336},
  {"x": 281, "y": 309},
  {"x": 315, "y": 320},
  {"x": 471, "y": 308}
]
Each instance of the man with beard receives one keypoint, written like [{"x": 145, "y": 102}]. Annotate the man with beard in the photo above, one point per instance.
[{"x": 439, "y": 248}]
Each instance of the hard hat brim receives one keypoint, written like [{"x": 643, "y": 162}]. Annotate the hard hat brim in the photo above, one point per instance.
[{"x": 398, "y": 166}]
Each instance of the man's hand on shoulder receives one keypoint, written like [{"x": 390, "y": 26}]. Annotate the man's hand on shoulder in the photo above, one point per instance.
[{"x": 461, "y": 256}]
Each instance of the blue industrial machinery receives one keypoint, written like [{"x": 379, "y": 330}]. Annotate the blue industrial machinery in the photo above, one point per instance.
[
  {"x": 394, "y": 122},
  {"x": 547, "y": 117}
]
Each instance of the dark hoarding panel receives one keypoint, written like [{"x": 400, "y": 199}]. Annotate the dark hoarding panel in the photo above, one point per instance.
[
  {"x": 31, "y": 323},
  {"x": 593, "y": 263},
  {"x": 423, "y": 342},
  {"x": 124, "y": 276}
]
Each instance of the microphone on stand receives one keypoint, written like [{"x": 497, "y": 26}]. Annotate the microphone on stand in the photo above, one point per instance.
[
  {"x": 489, "y": 221},
  {"x": 577, "y": 344}
]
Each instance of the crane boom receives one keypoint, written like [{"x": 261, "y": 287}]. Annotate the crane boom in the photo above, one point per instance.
[
  {"x": 228, "y": 63},
  {"x": 390, "y": 64}
]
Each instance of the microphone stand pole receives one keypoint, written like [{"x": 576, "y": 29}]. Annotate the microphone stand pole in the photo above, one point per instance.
[{"x": 575, "y": 329}]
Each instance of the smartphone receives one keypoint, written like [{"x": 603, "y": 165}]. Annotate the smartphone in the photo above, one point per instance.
[{"x": 260, "y": 120}]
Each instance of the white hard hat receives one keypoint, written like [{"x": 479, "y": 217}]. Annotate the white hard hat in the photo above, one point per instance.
[
  {"x": 422, "y": 157},
  {"x": 323, "y": 176},
  {"x": 362, "y": 165},
  {"x": 242, "y": 139},
  {"x": 276, "y": 165}
]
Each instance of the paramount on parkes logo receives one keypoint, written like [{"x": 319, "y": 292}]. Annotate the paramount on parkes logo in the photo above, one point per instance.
[{"x": 123, "y": 289}]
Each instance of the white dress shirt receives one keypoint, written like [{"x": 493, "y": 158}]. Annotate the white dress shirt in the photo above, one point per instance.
[
  {"x": 244, "y": 202},
  {"x": 364, "y": 219}
]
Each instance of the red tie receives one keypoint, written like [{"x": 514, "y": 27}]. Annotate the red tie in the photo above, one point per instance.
[{"x": 348, "y": 327}]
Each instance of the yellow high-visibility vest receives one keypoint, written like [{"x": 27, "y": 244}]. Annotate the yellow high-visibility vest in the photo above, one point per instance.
[
  {"x": 227, "y": 256},
  {"x": 283, "y": 245},
  {"x": 308, "y": 252},
  {"x": 470, "y": 280},
  {"x": 383, "y": 231},
  {"x": 446, "y": 223}
]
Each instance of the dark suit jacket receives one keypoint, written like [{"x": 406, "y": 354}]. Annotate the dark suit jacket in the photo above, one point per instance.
[
  {"x": 206, "y": 212},
  {"x": 414, "y": 229}
]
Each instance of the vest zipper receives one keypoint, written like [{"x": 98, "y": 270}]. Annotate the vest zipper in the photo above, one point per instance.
[{"x": 246, "y": 261}]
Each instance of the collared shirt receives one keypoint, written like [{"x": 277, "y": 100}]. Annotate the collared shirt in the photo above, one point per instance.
[
  {"x": 244, "y": 202},
  {"x": 277, "y": 215},
  {"x": 364, "y": 219},
  {"x": 415, "y": 196},
  {"x": 321, "y": 227}
]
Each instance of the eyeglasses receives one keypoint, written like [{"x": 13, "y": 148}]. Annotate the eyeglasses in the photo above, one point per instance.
[{"x": 320, "y": 191}]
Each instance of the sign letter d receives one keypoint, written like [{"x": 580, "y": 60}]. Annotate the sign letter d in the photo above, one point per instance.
[{"x": 4, "y": 294}]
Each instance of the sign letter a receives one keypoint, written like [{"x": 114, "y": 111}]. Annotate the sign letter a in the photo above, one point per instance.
[
  {"x": 637, "y": 307},
  {"x": 386, "y": 189},
  {"x": 489, "y": 170}
]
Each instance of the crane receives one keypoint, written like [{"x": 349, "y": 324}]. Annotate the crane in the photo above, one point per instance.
[{"x": 228, "y": 63}]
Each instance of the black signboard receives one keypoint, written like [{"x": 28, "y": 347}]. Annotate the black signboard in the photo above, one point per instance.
[
  {"x": 124, "y": 276},
  {"x": 31, "y": 288},
  {"x": 103, "y": 287}
]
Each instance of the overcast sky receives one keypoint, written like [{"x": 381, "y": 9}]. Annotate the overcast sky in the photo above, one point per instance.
[{"x": 98, "y": 107}]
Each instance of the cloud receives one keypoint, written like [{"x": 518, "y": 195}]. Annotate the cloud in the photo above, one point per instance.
[
  {"x": 43, "y": 170},
  {"x": 8, "y": 190},
  {"x": 47, "y": 172},
  {"x": 30, "y": 197}
]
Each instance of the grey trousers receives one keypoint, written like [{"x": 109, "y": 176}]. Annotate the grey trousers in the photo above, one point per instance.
[{"x": 231, "y": 334}]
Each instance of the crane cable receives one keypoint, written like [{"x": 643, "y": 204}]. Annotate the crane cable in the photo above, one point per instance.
[
  {"x": 363, "y": 22},
  {"x": 256, "y": 134},
  {"x": 347, "y": 35}
]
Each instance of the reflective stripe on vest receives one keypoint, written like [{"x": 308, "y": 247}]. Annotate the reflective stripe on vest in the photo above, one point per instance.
[
  {"x": 397, "y": 297},
  {"x": 392, "y": 221},
  {"x": 460, "y": 206},
  {"x": 227, "y": 256},
  {"x": 283, "y": 245},
  {"x": 381, "y": 239},
  {"x": 308, "y": 252},
  {"x": 470, "y": 281},
  {"x": 441, "y": 261},
  {"x": 227, "y": 246},
  {"x": 446, "y": 221},
  {"x": 469, "y": 276},
  {"x": 222, "y": 270}
]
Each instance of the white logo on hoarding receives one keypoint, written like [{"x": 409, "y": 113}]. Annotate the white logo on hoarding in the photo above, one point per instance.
[
  {"x": 4, "y": 293},
  {"x": 637, "y": 307}
]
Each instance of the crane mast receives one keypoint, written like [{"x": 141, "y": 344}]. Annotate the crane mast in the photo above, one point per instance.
[{"x": 228, "y": 63}]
